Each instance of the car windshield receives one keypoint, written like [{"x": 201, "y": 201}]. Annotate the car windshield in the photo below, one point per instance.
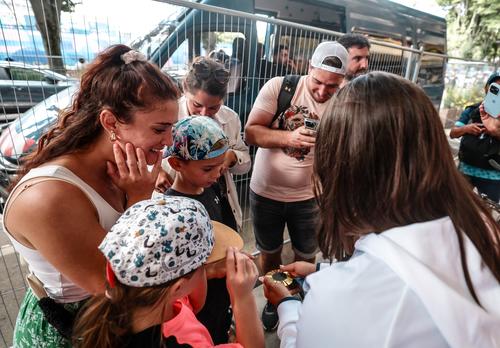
[{"x": 36, "y": 121}]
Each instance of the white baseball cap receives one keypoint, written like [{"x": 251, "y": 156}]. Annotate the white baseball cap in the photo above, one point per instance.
[
  {"x": 329, "y": 49},
  {"x": 158, "y": 240}
]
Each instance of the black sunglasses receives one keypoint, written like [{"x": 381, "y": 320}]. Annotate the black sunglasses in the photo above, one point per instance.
[{"x": 203, "y": 71}]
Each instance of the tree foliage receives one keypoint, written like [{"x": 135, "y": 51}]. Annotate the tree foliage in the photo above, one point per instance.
[
  {"x": 473, "y": 28},
  {"x": 48, "y": 21}
]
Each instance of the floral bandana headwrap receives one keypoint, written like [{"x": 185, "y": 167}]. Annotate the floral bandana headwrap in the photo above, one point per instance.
[
  {"x": 197, "y": 138},
  {"x": 156, "y": 241}
]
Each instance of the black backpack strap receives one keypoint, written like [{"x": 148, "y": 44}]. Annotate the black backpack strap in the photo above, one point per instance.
[{"x": 285, "y": 96}]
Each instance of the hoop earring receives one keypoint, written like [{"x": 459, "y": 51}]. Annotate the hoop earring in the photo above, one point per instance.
[{"x": 112, "y": 137}]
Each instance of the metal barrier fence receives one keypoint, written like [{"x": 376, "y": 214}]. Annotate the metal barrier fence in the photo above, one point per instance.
[{"x": 243, "y": 42}]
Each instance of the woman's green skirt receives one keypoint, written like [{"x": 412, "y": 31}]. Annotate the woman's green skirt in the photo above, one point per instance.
[{"x": 33, "y": 330}]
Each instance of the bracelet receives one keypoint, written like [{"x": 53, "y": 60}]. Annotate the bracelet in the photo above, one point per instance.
[
  {"x": 318, "y": 266},
  {"x": 288, "y": 298}
]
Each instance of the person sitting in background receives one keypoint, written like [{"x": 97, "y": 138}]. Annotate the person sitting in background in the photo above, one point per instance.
[
  {"x": 477, "y": 147},
  {"x": 156, "y": 256},
  {"x": 281, "y": 64},
  {"x": 197, "y": 155},
  {"x": 422, "y": 250},
  {"x": 205, "y": 87}
]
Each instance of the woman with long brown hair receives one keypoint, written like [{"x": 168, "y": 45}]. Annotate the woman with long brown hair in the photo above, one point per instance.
[
  {"x": 422, "y": 253},
  {"x": 86, "y": 171}
]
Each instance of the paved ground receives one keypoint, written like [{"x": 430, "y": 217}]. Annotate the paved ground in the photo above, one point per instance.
[{"x": 12, "y": 289}]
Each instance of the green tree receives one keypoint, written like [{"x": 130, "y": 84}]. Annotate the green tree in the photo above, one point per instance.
[
  {"x": 473, "y": 28},
  {"x": 48, "y": 21}
]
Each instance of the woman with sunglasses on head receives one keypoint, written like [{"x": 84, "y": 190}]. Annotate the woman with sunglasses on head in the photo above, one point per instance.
[
  {"x": 205, "y": 87},
  {"x": 87, "y": 170},
  {"x": 421, "y": 252}
]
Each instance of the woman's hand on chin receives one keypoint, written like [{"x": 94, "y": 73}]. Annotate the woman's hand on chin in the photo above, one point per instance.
[{"x": 131, "y": 174}]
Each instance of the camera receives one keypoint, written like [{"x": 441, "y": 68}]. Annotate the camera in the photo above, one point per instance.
[{"x": 311, "y": 123}]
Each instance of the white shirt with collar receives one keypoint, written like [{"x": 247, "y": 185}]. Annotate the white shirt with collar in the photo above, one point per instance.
[{"x": 402, "y": 288}]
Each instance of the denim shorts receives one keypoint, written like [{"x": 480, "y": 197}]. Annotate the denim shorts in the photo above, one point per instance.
[{"x": 269, "y": 218}]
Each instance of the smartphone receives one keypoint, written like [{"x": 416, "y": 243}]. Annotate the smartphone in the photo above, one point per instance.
[
  {"x": 492, "y": 100},
  {"x": 311, "y": 123}
]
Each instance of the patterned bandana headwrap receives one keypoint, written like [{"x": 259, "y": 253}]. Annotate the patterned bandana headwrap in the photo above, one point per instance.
[
  {"x": 156, "y": 241},
  {"x": 197, "y": 138}
]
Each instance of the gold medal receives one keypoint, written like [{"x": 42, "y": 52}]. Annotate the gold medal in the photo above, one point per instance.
[{"x": 282, "y": 277}]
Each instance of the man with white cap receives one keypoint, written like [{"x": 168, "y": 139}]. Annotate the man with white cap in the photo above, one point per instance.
[{"x": 281, "y": 187}]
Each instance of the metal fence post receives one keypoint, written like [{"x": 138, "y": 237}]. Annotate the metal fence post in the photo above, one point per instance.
[
  {"x": 417, "y": 65},
  {"x": 409, "y": 64}
]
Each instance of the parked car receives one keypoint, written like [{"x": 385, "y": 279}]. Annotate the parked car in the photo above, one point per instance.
[
  {"x": 21, "y": 137},
  {"x": 22, "y": 86}
]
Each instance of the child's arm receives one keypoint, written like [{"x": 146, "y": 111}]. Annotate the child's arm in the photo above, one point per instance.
[{"x": 240, "y": 279}]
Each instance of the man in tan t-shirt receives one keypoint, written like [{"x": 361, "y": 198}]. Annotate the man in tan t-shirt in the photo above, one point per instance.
[{"x": 281, "y": 187}]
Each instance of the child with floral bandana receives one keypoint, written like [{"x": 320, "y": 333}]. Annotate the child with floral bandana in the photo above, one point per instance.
[
  {"x": 197, "y": 155},
  {"x": 156, "y": 255}
]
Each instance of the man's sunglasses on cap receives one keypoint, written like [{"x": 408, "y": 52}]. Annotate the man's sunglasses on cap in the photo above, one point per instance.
[{"x": 203, "y": 71}]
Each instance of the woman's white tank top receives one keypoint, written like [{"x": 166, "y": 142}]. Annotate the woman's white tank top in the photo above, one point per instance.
[{"x": 56, "y": 284}]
